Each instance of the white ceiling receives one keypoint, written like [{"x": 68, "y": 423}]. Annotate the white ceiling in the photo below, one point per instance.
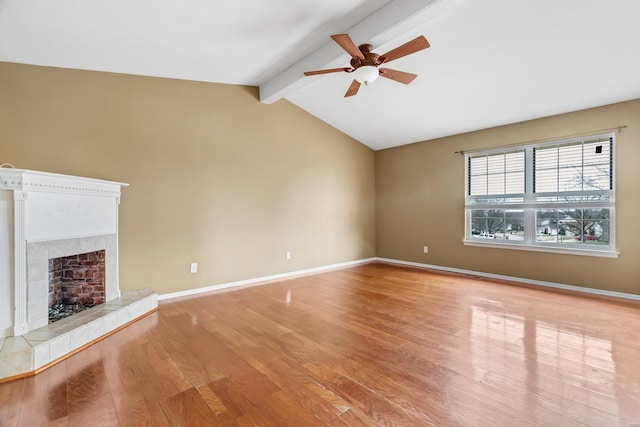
[{"x": 491, "y": 62}]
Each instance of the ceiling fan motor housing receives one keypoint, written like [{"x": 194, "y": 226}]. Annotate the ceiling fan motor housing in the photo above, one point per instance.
[{"x": 370, "y": 58}]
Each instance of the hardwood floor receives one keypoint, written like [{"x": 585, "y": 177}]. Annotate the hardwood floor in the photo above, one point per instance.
[{"x": 373, "y": 345}]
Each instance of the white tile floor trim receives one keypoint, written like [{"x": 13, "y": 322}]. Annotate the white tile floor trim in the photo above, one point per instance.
[{"x": 30, "y": 352}]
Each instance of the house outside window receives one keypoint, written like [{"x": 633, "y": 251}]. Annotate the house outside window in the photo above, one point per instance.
[{"x": 556, "y": 196}]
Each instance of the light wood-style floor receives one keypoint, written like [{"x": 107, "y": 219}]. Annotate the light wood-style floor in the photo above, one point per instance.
[{"x": 373, "y": 345}]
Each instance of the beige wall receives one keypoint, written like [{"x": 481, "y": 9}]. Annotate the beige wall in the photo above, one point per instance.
[
  {"x": 219, "y": 178},
  {"x": 216, "y": 177},
  {"x": 420, "y": 201}
]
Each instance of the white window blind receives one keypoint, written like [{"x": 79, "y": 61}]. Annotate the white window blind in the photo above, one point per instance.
[
  {"x": 576, "y": 172},
  {"x": 496, "y": 178}
]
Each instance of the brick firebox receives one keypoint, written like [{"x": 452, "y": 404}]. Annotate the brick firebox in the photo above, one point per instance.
[{"x": 77, "y": 279}]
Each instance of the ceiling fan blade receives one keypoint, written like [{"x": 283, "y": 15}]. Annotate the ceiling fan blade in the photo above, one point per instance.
[
  {"x": 415, "y": 45},
  {"x": 330, "y": 70},
  {"x": 353, "y": 89},
  {"x": 399, "y": 76},
  {"x": 348, "y": 45}
]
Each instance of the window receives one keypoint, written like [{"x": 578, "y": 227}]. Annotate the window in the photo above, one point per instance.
[{"x": 556, "y": 197}]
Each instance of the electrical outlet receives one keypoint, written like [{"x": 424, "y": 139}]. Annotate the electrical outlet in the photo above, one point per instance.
[
  {"x": 288, "y": 255},
  {"x": 426, "y": 249},
  {"x": 194, "y": 267}
]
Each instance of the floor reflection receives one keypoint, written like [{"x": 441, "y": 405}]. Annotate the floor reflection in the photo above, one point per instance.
[{"x": 541, "y": 361}]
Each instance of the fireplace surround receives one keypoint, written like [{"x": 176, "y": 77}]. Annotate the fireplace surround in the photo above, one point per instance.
[
  {"x": 45, "y": 216},
  {"x": 39, "y": 255}
]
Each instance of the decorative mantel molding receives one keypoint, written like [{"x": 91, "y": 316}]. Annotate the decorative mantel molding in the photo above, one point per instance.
[
  {"x": 28, "y": 180},
  {"x": 20, "y": 326}
]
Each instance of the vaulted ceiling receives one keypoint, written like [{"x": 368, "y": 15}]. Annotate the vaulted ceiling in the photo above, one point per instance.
[{"x": 491, "y": 62}]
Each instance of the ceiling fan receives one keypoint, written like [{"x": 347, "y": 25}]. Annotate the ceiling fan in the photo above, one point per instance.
[{"x": 365, "y": 63}]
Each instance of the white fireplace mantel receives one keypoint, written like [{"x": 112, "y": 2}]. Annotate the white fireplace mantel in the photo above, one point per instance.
[
  {"x": 28, "y": 180},
  {"x": 60, "y": 210}
]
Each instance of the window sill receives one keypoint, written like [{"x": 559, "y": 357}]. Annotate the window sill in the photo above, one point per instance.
[{"x": 541, "y": 248}]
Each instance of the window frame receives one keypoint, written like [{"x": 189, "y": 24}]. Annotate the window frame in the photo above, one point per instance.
[{"x": 530, "y": 205}]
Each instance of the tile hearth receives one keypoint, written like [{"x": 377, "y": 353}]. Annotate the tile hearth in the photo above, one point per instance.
[{"x": 22, "y": 355}]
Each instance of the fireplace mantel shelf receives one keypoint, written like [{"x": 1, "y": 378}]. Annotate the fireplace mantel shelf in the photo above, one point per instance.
[{"x": 29, "y": 180}]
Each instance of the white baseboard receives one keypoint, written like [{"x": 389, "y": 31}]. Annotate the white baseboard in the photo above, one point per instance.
[
  {"x": 601, "y": 292},
  {"x": 263, "y": 279},
  {"x": 291, "y": 274}
]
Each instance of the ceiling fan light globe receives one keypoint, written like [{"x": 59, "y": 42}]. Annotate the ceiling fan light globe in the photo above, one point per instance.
[{"x": 366, "y": 74}]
